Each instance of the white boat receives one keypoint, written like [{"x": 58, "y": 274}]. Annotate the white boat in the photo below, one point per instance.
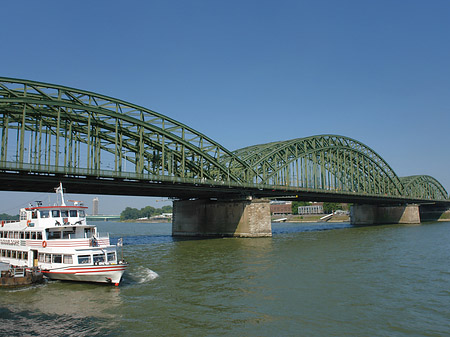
[{"x": 58, "y": 240}]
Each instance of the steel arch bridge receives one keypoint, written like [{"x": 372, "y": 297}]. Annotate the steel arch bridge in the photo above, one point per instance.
[{"x": 99, "y": 144}]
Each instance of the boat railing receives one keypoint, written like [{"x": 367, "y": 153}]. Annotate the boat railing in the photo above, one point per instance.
[
  {"x": 4, "y": 222},
  {"x": 102, "y": 235},
  {"x": 88, "y": 236}
]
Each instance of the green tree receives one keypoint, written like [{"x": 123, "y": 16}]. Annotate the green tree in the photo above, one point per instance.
[
  {"x": 329, "y": 207},
  {"x": 4, "y": 216},
  {"x": 130, "y": 213},
  {"x": 147, "y": 212},
  {"x": 167, "y": 209}
]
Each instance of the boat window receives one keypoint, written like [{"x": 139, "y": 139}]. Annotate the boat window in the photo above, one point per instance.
[
  {"x": 16, "y": 235},
  {"x": 54, "y": 235},
  {"x": 65, "y": 214},
  {"x": 44, "y": 214},
  {"x": 23, "y": 215},
  {"x": 81, "y": 213},
  {"x": 19, "y": 255},
  {"x": 22, "y": 235},
  {"x": 27, "y": 235},
  {"x": 111, "y": 257},
  {"x": 3, "y": 253},
  {"x": 48, "y": 258},
  {"x": 55, "y": 213},
  {"x": 33, "y": 235},
  {"x": 57, "y": 258},
  {"x": 39, "y": 235},
  {"x": 13, "y": 255},
  {"x": 84, "y": 259},
  {"x": 8, "y": 253},
  {"x": 1, "y": 235},
  {"x": 67, "y": 259},
  {"x": 67, "y": 233},
  {"x": 25, "y": 255},
  {"x": 73, "y": 213},
  {"x": 41, "y": 257},
  {"x": 34, "y": 214},
  {"x": 99, "y": 258}
]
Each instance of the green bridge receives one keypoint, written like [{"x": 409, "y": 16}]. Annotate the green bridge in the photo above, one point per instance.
[{"x": 101, "y": 145}]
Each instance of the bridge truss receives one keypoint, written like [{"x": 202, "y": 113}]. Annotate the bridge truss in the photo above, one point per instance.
[{"x": 50, "y": 132}]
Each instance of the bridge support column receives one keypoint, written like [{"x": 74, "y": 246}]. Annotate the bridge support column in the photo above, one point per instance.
[
  {"x": 238, "y": 218},
  {"x": 372, "y": 214}
]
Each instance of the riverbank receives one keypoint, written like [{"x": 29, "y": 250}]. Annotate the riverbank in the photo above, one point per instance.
[{"x": 314, "y": 218}]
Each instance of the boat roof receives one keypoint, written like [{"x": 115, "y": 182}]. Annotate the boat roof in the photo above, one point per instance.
[{"x": 53, "y": 207}]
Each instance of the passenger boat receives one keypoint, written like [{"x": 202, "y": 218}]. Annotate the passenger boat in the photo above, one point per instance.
[{"x": 58, "y": 240}]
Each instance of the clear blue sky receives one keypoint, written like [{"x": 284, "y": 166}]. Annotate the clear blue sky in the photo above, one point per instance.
[{"x": 250, "y": 72}]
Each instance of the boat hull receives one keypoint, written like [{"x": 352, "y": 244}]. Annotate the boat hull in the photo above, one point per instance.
[{"x": 111, "y": 274}]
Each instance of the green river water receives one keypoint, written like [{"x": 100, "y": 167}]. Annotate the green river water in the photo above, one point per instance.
[{"x": 307, "y": 280}]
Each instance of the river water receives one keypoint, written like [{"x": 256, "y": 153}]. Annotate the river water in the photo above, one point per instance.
[{"x": 307, "y": 280}]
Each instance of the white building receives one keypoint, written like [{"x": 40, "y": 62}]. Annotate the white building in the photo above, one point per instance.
[
  {"x": 313, "y": 209},
  {"x": 95, "y": 206}
]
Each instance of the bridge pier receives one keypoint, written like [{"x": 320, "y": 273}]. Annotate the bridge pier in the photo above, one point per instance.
[
  {"x": 219, "y": 218},
  {"x": 373, "y": 214}
]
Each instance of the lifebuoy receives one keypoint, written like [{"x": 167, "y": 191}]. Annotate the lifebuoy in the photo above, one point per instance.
[
  {"x": 3, "y": 223},
  {"x": 44, "y": 244},
  {"x": 28, "y": 223}
]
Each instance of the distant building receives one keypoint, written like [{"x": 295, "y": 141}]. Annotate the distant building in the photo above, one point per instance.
[
  {"x": 281, "y": 207},
  {"x": 95, "y": 206},
  {"x": 312, "y": 209}
]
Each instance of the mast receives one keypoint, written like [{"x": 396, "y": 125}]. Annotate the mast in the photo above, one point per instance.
[{"x": 59, "y": 190}]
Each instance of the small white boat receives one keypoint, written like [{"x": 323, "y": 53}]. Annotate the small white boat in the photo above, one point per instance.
[{"x": 58, "y": 240}]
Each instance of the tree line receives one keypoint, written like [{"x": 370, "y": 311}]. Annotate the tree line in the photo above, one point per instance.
[
  {"x": 130, "y": 213},
  {"x": 4, "y": 216}
]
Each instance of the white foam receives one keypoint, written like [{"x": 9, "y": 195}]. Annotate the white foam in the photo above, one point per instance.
[{"x": 144, "y": 275}]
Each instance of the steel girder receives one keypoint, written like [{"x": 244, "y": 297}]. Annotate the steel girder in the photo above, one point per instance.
[
  {"x": 47, "y": 125},
  {"x": 54, "y": 129},
  {"x": 333, "y": 163}
]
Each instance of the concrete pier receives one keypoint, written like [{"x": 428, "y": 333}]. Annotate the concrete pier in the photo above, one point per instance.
[
  {"x": 373, "y": 214},
  {"x": 235, "y": 218}
]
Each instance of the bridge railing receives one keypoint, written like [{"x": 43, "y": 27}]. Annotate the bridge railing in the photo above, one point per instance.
[{"x": 108, "y": 174}]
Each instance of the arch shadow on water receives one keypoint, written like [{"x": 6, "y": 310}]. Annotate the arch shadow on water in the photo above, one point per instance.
[{"x": 277, "y": 229}]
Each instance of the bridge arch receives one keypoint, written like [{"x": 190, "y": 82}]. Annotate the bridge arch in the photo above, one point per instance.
[
  {"x": 424, "y": 187},
  {"x": 52, "y": 129},
  {"x": 327, "y": 162},
  {"x": 46, "y": 126}
]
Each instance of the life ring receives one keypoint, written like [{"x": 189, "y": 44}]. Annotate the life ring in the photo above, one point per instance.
[
  {"x": 28, "y": 223},
  {"x": 44, "y": 244},
  {"x": 3, "y": 223}
]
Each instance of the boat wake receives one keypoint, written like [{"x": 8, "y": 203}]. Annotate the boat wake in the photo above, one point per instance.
[{"x": 144, "y": 275}]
